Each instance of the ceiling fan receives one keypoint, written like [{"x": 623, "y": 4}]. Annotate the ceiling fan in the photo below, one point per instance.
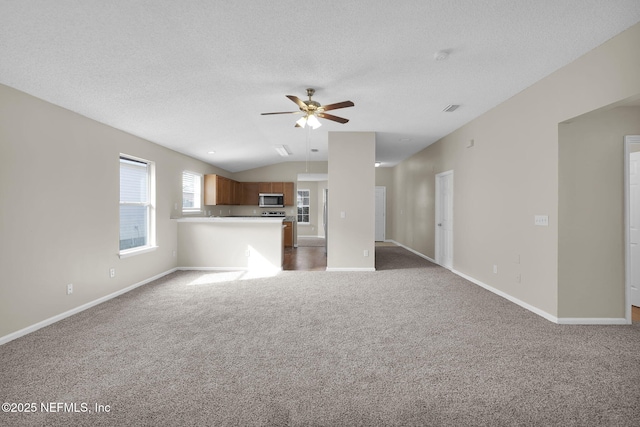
[{"x": 312, "y": 110}]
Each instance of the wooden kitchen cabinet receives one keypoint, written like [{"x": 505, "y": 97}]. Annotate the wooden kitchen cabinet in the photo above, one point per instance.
[
  {"x": 277, "y": 187},
  {"x": 250, "y": 191},
  {"x": 289, "y": 196},
  {"x": 264, "y": 187},
  {"x": 288, "y": 234},
  {"x": 236, "y": 196},
  {"x": 218, "y": 190}
]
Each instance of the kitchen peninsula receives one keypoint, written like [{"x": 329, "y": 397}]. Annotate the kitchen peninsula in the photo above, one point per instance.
[{"x": 231, "y": 243}]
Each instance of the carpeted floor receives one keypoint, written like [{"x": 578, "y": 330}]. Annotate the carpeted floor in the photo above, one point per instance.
[{"x": 408, "y": 345}]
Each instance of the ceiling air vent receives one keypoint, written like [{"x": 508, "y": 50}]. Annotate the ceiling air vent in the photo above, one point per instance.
[{"x": 450, "y": 108}]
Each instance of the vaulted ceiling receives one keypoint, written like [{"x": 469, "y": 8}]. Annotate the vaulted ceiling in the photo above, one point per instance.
[{"x": 195, "y": 75}]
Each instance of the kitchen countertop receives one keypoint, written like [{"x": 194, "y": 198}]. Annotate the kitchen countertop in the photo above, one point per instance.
[{"x": 229, "y": 219}]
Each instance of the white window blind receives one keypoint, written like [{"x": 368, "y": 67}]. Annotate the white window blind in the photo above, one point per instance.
[
  {"x": 191, "y": 192},
  {"x": 135, "y": 203}
]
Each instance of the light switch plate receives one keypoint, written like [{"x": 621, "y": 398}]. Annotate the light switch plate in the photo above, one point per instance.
[{"x": 542, "y": 220}]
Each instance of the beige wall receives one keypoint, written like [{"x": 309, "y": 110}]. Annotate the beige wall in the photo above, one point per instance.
[
  {"x": 351, "y": 191},
  {"x": 510, "y": 175},
  {"x": 59, "y": 214},
  {"x": 591, "y": 275}
]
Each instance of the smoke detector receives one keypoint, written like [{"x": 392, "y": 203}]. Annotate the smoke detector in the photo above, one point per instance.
[{"x": 441, "y": 55}]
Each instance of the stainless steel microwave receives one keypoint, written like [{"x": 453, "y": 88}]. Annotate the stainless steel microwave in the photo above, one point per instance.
[{"x": 271, "y": 200}]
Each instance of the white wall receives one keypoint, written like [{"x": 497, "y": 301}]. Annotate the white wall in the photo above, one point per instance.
[
  {"x": 591, "y": 253},
  {"x": 510, "y": 175},
  {"x": 351, "y": 201},
  {"x": 219, "y": 244},
  {"x": 59, "y": 209}
]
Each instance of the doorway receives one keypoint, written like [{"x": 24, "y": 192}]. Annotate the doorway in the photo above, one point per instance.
[
  {"x": 632, "y": 223},
  {"x": 381, "y": 208},
  {"x": 444, "y": 219}
]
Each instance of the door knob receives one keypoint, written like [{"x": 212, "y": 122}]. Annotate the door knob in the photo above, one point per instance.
[{"x": 440, "y": 225}]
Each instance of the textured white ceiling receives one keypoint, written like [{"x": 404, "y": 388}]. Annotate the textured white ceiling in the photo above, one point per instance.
[{"x": 194, "y": 76}]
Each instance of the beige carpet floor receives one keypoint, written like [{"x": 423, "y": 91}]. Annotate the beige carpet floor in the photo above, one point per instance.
[{"x": 410, "y": 344}]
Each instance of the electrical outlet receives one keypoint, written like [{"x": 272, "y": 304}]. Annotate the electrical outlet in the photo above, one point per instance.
[
  {"x": 247, "y": 253},
  {"x": 366, "y": 252},
  {"x": 542, "y": 220},
  {"x": 174, "y": 254},
  {"x": 112, "y": 272},
  {"x": 518, "y": 278},
  {"x": 69, "y": 288},
  {"x": 495, "y": 269}
]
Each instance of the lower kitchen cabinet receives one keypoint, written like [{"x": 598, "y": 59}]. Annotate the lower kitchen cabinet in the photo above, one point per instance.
[{"x": 288, "y": 233}]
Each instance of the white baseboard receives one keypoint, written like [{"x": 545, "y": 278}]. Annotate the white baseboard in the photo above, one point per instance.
[
  {"x": 542, "y": 313},
  {"x": 270, "y": 270},
  {"x": 511, "y": 298},
  {"x": 414, "y": 251},
  {"x": 12, "y": 336},
  {"x": 592, "y": 321},
  {"x": 213, "y": 268},
  {"x": 350, "y": 269}
]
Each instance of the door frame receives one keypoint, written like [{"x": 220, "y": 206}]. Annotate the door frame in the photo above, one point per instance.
[
  {"x": 628, "y": 140},
  {"x": 438, "y": 201},
  {"x": 384, "y": 212}
]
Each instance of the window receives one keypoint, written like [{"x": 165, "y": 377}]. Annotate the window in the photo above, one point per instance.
[
  {"x": 303, "y": 206},
  {"x": 137, "y": 199},
  {"x": 191, "y": 192}
]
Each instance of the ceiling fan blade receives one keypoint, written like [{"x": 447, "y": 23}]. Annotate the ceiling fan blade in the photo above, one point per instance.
[
  {"x": 283, "y": 112},
  {"x": 332, "y": 117},
  {"x": 298, "y": 101},
  {"x": 335, "y": 106}
]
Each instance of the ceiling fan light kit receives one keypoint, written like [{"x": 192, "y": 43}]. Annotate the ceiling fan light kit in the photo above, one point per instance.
[{"x": 313, "y": 110}]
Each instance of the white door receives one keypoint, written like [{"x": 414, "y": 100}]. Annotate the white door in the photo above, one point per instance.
[
  {"x": 444, "y": 219},
  {"x": 634, "y": 226},
  {"x": 381, "y": 207}
]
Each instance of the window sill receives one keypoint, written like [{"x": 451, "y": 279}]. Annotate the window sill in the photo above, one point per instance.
[{"x": 137, "y": 251}]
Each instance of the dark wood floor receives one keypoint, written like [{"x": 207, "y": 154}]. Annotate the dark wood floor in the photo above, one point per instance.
[{"x": 305, "y": 258}]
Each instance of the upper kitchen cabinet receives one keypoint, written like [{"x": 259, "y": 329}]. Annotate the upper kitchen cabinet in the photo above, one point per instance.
[
  {"x": 218, "y": 190},
  {"x": 236, "y": 196},
  {"x": 277, "y": 187},
  {"x": 289, "y": 195},
  {"x": 250, "y": 191},
  {"x": 264, "y": 187}
]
